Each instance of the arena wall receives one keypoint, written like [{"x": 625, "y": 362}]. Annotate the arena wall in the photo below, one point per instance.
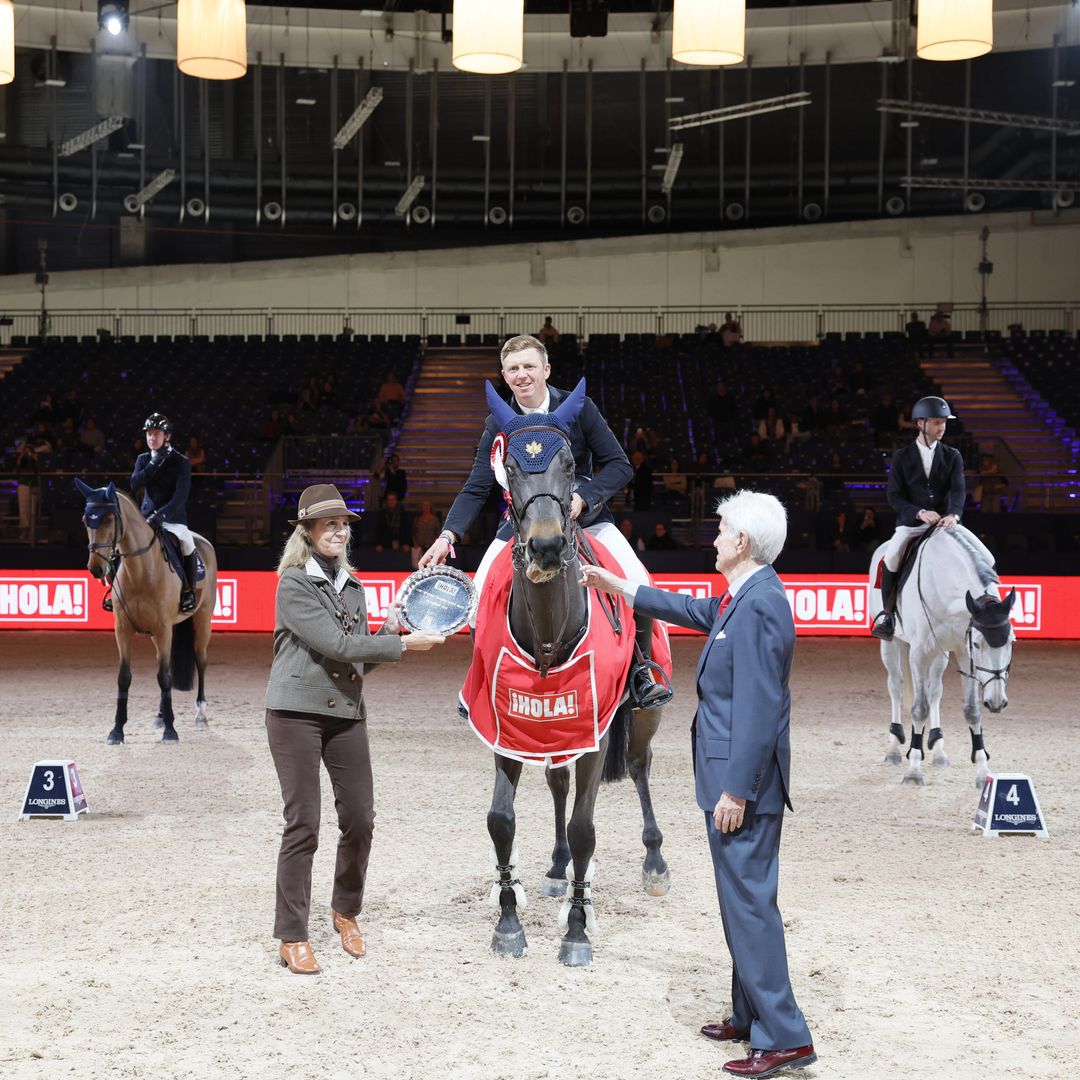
[{"x": 915, "y": 261}]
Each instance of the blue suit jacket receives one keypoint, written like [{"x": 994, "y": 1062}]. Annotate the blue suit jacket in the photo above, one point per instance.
[
  {"x": 165, "y": 485},
  {"x": 597, "y": 454},
  {"x": 741, "y": 729}
]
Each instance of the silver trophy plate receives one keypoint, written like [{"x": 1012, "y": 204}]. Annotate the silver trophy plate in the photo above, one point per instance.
[{"x": 440, "y": 598}]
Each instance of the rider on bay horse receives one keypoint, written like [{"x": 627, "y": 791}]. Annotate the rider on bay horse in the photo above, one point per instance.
[
  {"x": 601, "y": 467},
  {"x": 926, "y": 489},
  {"x": 164, "y": 476}
]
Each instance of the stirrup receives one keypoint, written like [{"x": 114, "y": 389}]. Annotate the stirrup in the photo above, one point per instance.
[
  {"x": 649, "y": 685},
  {"x": 106, "y": 602},
  {"x": 188, "y": 601},
  {"x": 884, "y": 626}
]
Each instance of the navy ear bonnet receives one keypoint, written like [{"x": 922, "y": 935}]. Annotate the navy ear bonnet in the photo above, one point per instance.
[
  {"x": 533, "y": 450},
  {"x": 101, "y": 503}
]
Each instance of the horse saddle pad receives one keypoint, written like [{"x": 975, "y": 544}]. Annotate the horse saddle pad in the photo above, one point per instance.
[{"x": 170, "y": 544}]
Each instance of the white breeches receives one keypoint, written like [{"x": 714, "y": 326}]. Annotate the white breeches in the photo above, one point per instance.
[
  {"x": 183, "y": 534},
  {"x": 904, "y": 533},
  {"x": 604, "y": 531}
]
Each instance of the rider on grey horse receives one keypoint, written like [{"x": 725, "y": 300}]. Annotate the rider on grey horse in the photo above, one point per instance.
[
  {"x": 926, "y": 489},
  {"x": 164, "y": 476}
]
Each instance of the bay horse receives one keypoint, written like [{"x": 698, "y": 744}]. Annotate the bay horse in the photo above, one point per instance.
[
  {"x": 548, "y": 616},
  {"x": 126, "y": 548},
  {"x": 950, "y": 604}
]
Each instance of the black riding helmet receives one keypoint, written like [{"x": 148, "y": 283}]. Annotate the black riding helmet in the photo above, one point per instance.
[
  {"x": 932, "y": 408},
  {"x": 160, "y": 422}
]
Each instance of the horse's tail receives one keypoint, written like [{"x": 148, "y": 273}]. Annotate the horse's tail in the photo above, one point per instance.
[
  {"x": 182, "y": 661},
  {"x": 616, "y": 763}
]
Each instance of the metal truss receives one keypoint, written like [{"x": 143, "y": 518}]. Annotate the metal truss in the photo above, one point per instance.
[
  {"x": 978, "y": 116},
  {"x": 740, "y": 112}
]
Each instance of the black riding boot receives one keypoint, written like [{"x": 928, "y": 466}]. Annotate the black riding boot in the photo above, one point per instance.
[
  {"x": 648, "y": 688},
  {"x": 885, "y": 624},
  {"x": 187, "y": 590}
]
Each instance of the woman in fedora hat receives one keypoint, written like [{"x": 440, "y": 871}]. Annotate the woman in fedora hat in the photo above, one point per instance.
[{"x": 315, "y": 711}]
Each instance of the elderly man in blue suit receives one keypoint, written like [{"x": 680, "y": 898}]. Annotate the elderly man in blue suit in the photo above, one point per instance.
[{"x": 742, "y": 756}]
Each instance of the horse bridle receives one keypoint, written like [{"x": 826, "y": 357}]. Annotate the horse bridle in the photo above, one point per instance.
[
  {"x": 994, "y": 674},
  {"x": 115, "y": 554},
  {"x": 544, "y": 652}
]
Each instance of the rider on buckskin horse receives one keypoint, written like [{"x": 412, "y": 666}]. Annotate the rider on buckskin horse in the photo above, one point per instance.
[
  {"x": 164, "y": 476},
  {"x": 926, "y": 489},
  {"x": 601, "y": 469}
]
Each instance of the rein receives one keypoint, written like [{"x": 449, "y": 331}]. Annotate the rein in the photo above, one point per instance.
[{"x": 993, "y": 674}]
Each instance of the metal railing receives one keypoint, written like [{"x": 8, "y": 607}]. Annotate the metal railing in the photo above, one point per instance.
[{"x": 766, "y": 322}]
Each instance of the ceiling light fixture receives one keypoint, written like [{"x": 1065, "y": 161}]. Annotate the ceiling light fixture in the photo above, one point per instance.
[
  {"x": 709, "y": 32},
  {"x": 489, "y": 36}
]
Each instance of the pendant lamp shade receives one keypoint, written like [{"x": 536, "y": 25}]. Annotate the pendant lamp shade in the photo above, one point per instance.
[
  {"x": 7, "y": 42},
  {"x": 211, "y": 38},
  {"x": 489, "y": 36},
  {"x": 711, "y": 32},
  {"x": 954, "y": 29}
]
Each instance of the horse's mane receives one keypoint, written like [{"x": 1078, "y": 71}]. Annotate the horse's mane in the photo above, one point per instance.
[{"x": 986, "y": 573}]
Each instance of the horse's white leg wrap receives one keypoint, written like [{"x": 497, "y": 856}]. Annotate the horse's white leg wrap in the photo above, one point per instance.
[
  {"x": 507, "y": 879},
  {"x": 582, "y": 890}
]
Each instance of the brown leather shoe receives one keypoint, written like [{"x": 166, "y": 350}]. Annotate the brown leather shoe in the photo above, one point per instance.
[
  {"x": 725, "y": 1031},
  {"x": 298, "y": 958},
  {"x": 351, "y": 941},
  {"x": 767, "y": 1062}
]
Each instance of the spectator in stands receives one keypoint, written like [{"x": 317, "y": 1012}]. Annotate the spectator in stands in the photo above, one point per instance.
[
  {"x": 701, "y": 481},
  {"x": 723, "y": 412},
  {"x": 916, "y": 334},
  {"x": 391, "y": 396},
  {"x": 840, "y": 531},
  {"x": 270, "y": 428},
  {"x": 758, "y": 452},
  {"x": 626, "y": 527},
  {"x": 425, "y": 530},
  {"x": 548, "y": 335},
  {"x": 196, "y": 454},
  {"x": 67, "y": 444},
  {"x": 836, "y": 419},
  {"x": 991, "y": 488},
  {"x": 29, "y": 458},
  {"x": 761, "y": 407},
  {"x": 395, "y": 481},
  {"x": 833, "y": 485},
  {"x": 812, "y": 419},
  {"x": 308, "y": 401},
  {"x": 730, "y": 331},
  {"x": 939, "y": 332},
  {"x": 868, "y": 534},
  {"x": 661, "y": 539},
  {"x": 392, "y": 526},
  {"x": 377, "y": 416},
  {"x": 885, "y": 421},
  {"x": 639, "y": 444},
  {"x": 658, "y": 451},
  {"x": 673, "y": 479},
  {"x": 45, "y": 413},
  {"x": 71, "y": 407},
  {"x": 771, "y": 426},
  {"x": 641, "y": 484},
  {"x": 92, "y": 437}
]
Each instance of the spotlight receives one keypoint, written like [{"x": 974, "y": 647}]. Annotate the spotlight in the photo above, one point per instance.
[{"x": 113, "y": 16}]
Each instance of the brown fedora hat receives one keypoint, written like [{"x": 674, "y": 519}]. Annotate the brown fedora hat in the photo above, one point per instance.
[{"x": 321, "y": 501}]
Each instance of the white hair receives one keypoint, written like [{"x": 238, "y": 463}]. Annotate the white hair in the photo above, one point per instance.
[{"x": 762, "y": 517}]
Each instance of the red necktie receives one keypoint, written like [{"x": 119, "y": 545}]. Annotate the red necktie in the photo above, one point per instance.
[{"x": 724, "y": 601}]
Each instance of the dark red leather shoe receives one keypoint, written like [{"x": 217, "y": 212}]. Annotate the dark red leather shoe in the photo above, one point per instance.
[
  {"x": 725, "y": 1031},
  {"x": 767, "y": 1062}
]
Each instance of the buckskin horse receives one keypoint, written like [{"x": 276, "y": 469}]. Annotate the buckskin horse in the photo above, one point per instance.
[
  {"x": 554, "y": 628},
  {"x": 125, "y": 548},
  {"x": 950, "y": 604}
]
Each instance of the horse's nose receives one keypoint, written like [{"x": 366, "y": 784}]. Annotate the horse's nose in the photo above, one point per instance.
[
  {"x": 95, "y": 568},
  {"x": 546, "y": 551}
]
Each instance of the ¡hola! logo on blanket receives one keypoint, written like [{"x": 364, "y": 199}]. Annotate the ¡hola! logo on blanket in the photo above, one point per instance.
[
  {"x": 544, "y": 706},
  {"x": 45, "y": 600}
]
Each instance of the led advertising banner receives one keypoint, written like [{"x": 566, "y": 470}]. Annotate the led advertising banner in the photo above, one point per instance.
[{"x": 822, "y": 605}]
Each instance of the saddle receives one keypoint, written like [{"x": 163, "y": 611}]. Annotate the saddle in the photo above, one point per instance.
[
  {"x": 170, "y": 546},
  {"x": 907, "y": 561}
]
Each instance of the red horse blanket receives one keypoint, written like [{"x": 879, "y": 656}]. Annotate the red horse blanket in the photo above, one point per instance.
[{"x": 550, "y": 721}]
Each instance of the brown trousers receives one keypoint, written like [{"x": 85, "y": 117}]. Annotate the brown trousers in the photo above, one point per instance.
[{"x": 297, "y": 743}]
